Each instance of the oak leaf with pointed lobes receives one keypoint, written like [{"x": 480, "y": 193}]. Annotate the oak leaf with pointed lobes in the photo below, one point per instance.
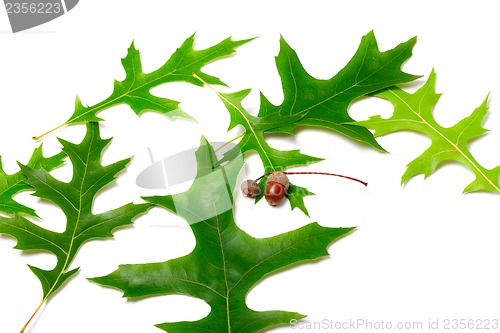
[
  {"x": 226, "y": 262},
  {"x": 135, "y": 89},
  {"x": 319, "y": 103},
  {"x": 315, "y": 103},
  {"x": 10, "y": 185},
  {"x": 414, "y": 112},
  {"x": 75, "y": 199},
  {"x": 324, "y": 103}
]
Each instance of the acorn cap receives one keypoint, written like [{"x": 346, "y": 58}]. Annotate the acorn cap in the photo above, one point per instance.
[{"x": 280, "y": 178}]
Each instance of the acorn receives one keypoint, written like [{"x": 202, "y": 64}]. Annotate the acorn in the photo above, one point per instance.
[
  {"x": 250, "y": 188},
  {"x": 276, "y": 186}
]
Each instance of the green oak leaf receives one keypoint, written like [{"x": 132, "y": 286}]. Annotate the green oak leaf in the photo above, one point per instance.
[
  {"x": 414, "y": 112},
  {"x": 135, "y": 89},
  {"x": 319, "y": 103},
  {"x": 75, "y": 199},
  {"x": 226, "y": 262},
  {"x": 324, "y": 103},
  {"x": 10, "y": 185},
  {"x": 315, "y": 103}
]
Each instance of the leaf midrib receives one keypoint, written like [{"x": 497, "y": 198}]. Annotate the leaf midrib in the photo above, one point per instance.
[{"x": 79, "y": 210}]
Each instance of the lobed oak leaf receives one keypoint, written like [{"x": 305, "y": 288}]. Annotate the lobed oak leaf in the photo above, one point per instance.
[
  {"x": 75, "y": 199},
  {"x": 226, "y": 262},
  {"x": 315, "y": 103},
  {"x": 414, "y": 112},
  {"x": 135, "y": 89}
]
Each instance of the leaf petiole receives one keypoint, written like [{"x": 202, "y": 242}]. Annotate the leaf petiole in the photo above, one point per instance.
[
  {"x": 36, "y": 138},
  {"x": 33, "y": 315}
]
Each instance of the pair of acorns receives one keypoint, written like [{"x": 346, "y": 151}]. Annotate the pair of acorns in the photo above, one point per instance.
[{"x": 277, "y": 185}]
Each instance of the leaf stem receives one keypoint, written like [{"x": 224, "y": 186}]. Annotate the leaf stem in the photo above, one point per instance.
[
  {"x": 33, "y": 315},
  {"x": 36, "y": 138}
]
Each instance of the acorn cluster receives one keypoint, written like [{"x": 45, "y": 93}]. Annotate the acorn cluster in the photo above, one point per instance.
[{"x": 277, "y": 185}]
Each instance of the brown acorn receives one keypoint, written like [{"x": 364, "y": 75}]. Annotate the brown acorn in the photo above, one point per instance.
[
  {"x": 276, "y": 186},
  {"x": 250, "y": 188}
]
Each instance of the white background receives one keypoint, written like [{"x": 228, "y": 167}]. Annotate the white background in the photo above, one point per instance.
[{"x": 422, "y": 251}]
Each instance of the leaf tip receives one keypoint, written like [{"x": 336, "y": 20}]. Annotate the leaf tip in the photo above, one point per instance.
[
  {"x": 383, "y": 150},
  {"x": 24, "y": 167},
  {"x": 370, "y": 34},
  {"x": 242, "y": 41},
  {"x": 486, "y": 99},
  {"x": 412, "y": 41},
  {"x": 299, "y": 316},
  {"x": 283, "y": 42}
]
